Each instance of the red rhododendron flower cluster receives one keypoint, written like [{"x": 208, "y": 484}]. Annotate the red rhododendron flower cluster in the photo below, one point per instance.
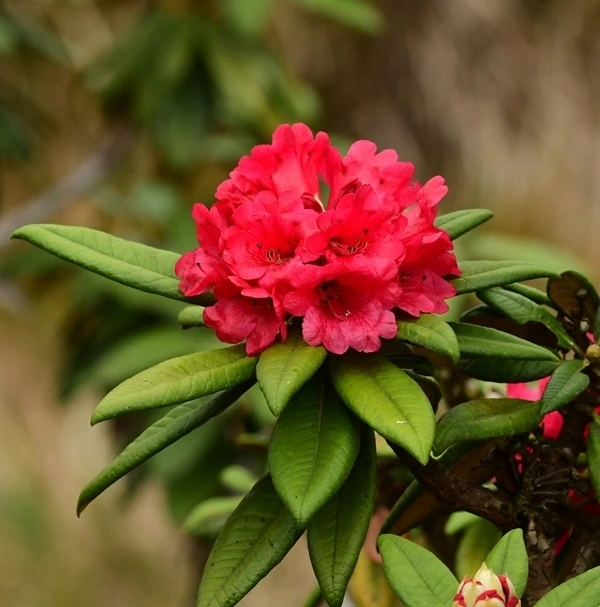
[{"x": 270, "y": 249}]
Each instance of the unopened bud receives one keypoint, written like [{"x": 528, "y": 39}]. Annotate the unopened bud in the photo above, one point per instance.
[
  {"x": 486, "y": 589},
  {"x": 593, "y": 353}
]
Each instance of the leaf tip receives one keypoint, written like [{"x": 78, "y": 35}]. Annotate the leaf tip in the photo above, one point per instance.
[{"x": 82, "y": 504}]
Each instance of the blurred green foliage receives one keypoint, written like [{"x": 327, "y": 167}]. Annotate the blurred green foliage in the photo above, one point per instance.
[{"x": 197, "y": 83}]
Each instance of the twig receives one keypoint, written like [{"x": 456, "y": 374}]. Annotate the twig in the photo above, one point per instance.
[{"x": 81, "y": 180}]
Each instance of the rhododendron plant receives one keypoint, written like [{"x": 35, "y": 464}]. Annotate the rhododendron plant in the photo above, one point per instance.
[
  {"x": 329, "y": 274},
  {"x": 268, "y": 242}
]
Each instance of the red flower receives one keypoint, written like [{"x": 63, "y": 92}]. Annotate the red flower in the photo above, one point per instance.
[
  {"x": 551, "y": 423},
  {"x": 268, "y": 241},
  {"x": 200, "y": 270},
  {"x": 345, "y": 304},
  {"x": 261, "y": 244},
  {"x": 257, "y": 319}
]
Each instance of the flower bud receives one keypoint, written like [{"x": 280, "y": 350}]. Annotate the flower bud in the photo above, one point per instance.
[{"x": 486, "y": 589}]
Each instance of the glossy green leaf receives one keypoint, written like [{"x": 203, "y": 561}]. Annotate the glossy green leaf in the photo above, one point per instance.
[
  {"x": 170, "y": 428},
  {"x": 509, "y": 557},
  {"x": 566, "y": 383},
  {"x": 254, "y": 539},
  {"x": 459, "y": 521},
  {"x": 485, "y": 418},
  {"x": 575, "y": 295},
  {"x": 285, "y": 367},
  {"x": 532, "y": 293},
  {"x": 313, "y": 448},
  {"x": 483, "y": 342},
  {"x": 417, "y": 576},
  {"x": 507, "y": 371},
  {"x": 521, "y": 309},
  {"x": 208, "y": 517},
  {"x": 593, "y": 454},
  {"x": 580, "y": 591},
  {"x": 337, "y": 532},
  {"x": 129, "y": 263},
  {"x": 458, "y": 223},
  {"x": 178, "y": 380},
  {"x": 431, "y": 332},
  {"x": 386, "y": 399},
  {"x": 477, "y": 275},
  {"x": 192, "y": 316}
]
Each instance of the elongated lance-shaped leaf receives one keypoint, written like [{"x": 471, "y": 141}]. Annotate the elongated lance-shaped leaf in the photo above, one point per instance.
[
  {"x": 337, "y": 532},
  {"x": 521, "y": 309},
  {"x": 431, "y": 332},
  {"x": 507, "y": 371},
  {"x": 417, "y": 576},
  {"x": 313, "y": 448},
  {"x": 486, "y": 418},
  {"x": 458, "y": 223},
  {"x": 531, "y": 293},
  {"x": 386, "y": 399},
  {"x": 475, "y": 341},
  {"x": 509, "y": 557},
  {"x": 285, "y": 367},
  {"x": 477, "y": 275},
  {"x": 129, "y": 263},
  {"x": 256, "y": 537},
  {"x": 192, "y": 316},
  {"x": 566, "y": 383},
  {"x": 177, "y": 381},
  {"x": 174, "y": 425},
  {"x": 593, "y": 454},
  {"x": 580, "y": 591}
]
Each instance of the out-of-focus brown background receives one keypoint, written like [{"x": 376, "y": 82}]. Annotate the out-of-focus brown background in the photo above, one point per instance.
[{"x": 119, "y": 114}]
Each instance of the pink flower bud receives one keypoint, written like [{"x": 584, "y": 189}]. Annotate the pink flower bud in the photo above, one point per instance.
[{"x": 486, "y": 589}]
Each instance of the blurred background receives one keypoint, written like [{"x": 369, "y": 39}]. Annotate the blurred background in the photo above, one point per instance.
[{"x": 120, "y": 114}]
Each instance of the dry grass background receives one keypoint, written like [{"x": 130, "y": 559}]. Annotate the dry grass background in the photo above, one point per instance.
[{"x": 500, "y": 96}]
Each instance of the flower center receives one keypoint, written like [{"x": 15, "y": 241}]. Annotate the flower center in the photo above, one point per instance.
[
  {"x": 342, "y": 248},
  {"x": 330, "y": 296}
]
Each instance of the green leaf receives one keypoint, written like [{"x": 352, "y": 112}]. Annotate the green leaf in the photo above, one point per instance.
[
  {"x": 580, "y": 591},
  {"x": 459, "y": 521},
  {"x": 461, "y": 222},
  {"x": 208, "y": 517},
  {"x": 285, "y": 367},
  {"x": 386, "y": 399},
  {"x": 253, "y": 541},
  {"x": 566, "y": 383},
  {"x": 532, "y": 293},
  {"x": 509, "y": 557},
  {"x": 507, "y": 371},
  {"x": 485, "y": 418},
  {"x": 473, "y": 545},
  {"x": 477, "y": 275},
  {"x": 593, "y": 454},
  {"x": 575, "y": 295},
  {"x": 170, "y": 428},
  {"x": 417, "y": 576},
  {"x": 337, "y": 532},
  {"x": 192, "y": 316},
  {"x": 237, "y": 478},
  {"x": 313, "y": 448},
  {"x": 129, "y": 263},
  {"x": 521, "y": 309},
  {"x": 483, "y": 342},
  {"x": 178, "y": 380},
  {"x": 352, "y": 13},
  {"x": 431, "y": 332}
]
